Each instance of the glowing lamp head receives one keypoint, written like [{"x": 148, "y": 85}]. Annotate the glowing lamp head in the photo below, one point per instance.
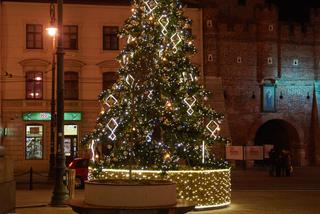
[{"x": 52, "y": 31}]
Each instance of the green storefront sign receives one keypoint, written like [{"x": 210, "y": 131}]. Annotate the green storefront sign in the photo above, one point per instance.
[{"x": 46, "y": 116}]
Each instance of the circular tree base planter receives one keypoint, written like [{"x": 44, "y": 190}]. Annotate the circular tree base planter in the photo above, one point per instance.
[
  {"x": 125, "y": 193},
  {"x": 206, "y": 188}
]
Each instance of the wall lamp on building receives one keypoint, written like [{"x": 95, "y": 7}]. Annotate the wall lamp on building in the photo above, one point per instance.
[
  {"x": 253, "y": 96},
  {"x": 308, "y": 96},
  {"x": 225, "y": 95},
  {"x": 8, "y": 75},
  {"x": 281, "y": 96}
]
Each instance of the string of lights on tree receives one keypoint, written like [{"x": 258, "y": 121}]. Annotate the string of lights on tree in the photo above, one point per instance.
[{"x": 155, "y": 116}]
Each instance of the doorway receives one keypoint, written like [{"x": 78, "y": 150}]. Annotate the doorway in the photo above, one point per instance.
[
  {"x": 70, "y": 142},
  {"x": 281, "y": 134}
]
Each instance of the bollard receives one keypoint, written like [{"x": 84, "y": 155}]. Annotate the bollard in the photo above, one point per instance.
[
  {"x": 30, "y": 179},
  {"x": 71, "y": 176}
]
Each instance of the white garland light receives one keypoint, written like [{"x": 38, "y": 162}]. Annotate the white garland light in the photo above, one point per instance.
[
  {"x": 112, "y": 126},
  {"x": 190, "y": 103},
  {"x": 207, "y": 188},
  {"x": 213, "y": 128},
  {"x": 203, "y": 151},
  {"x": 92, "y": 147}
]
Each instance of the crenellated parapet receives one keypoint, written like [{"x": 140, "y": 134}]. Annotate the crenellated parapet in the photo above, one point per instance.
[
  {"x": 266, "y": 13},
  {"x": 315, "y": 15},
  {"x": 237, "y": 31},
  {"x": 297, "y": 33}
]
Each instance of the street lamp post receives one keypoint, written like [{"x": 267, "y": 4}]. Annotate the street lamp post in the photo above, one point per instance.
[
  {"x": 52, "y": 30},
  {"x": 60, "y": 192}
]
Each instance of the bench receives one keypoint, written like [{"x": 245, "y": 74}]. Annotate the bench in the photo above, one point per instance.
[{"x": 182, "y": 206}]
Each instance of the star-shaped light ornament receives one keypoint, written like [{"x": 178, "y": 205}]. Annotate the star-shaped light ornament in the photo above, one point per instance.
[
  {"x": 164, "y": 22},
  {"x": 112, "y": 126},
  {"x": 213, "y": 127},
  {"x": 151, "y": 5},
  {"x": 190, "y": 103},
  {"x": 176, "y": 40}
]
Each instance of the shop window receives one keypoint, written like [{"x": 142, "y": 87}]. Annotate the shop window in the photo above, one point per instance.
[
  {"x": 109, "y": 78},
  {"x": 71, "y": 85},
  {"x": 34, "y": 85},
  {"x": 34, "y": 36},
  {"x": 34, "y": 142},
  {"x": 110, "y": 38},
  {"x": 70, "y": 142},
  {"x": 70, "y": 37}
]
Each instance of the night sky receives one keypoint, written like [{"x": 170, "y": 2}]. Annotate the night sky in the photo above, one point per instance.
[{"x": 295, "y": 10}]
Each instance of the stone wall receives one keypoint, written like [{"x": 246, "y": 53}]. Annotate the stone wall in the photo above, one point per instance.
[
  {"x": 255, "y": 49},
  {"x": 7, "y": 185}
]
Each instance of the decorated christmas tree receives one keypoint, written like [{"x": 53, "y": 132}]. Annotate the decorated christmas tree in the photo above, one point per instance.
[{"x": 155, "y": 116}]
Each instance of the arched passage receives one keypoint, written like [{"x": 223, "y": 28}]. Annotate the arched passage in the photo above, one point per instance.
[{"x": 281, "y": 134}]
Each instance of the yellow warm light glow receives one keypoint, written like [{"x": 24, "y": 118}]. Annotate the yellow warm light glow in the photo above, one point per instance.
[
  {"x": 52, "y": 31},
  {"x": 207, "y": 188}
]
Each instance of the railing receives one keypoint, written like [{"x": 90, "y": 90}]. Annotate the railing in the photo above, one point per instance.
[{"x": 69, "y": 179}]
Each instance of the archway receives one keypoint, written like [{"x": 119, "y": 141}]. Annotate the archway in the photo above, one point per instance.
[{"x": 281, "y": 134}]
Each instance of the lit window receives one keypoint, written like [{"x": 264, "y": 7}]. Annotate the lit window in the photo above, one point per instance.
[
  {"x": 34, "y": 142},
  {"x": 34, "y": 85},
  {"x": 110, "y": 38}
]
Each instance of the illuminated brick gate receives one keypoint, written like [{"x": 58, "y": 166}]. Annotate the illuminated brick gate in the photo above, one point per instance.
[{"x": 208, "y": 188}]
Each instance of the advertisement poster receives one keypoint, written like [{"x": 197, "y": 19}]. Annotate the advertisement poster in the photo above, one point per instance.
[
  {"x": 254, "y": 152},
  {"x": 234, "y": 152}
]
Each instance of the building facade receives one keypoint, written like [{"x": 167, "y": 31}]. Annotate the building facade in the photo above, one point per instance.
[
  {"x": 263, "y": 74},
  {"x": 91, "y": 46},
  {"x": 269, "y": 72}
]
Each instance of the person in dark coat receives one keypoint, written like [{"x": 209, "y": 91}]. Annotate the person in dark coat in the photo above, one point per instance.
[{"x": 272, "y": 157}]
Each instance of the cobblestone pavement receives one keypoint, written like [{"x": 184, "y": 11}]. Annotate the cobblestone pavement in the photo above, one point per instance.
[{"x": 254, "y": 192}]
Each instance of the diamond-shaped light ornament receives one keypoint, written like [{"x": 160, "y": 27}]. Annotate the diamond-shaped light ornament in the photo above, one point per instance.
[
  {"x": 125, "y": 59},
  {"x": 148, "y": 137},
  {"x": 129, "y": 79},
  {"x": 190, "y": 103},
  {"x": 111, "y": 100},
  {"x": 150, "y": 5},
  {"x": 175, "y": 39},
  {"x": 112, "y": 126},
  {"x": 164, "y": 22},
  {"x": 161, "y": 52},
  {"x": 150, "y": 94},
  {"x": 213, "y": 127}
]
